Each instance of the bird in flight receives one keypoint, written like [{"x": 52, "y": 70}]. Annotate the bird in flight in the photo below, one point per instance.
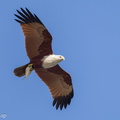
[{"x": 42, "y": 59}]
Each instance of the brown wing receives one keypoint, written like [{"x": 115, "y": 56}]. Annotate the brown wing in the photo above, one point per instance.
[
  {"x": 59, "y": 83},
  {"x": 37, "y": 38}
]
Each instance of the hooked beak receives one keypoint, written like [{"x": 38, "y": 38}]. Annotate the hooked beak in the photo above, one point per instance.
[{"x": 63, "y": 58}]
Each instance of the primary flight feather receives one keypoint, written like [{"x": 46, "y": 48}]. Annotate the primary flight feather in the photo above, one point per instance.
[{"x": 43, "y": 60}]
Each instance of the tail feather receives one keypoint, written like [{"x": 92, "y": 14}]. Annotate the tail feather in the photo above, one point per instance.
[{"x": 20, "y": 71}]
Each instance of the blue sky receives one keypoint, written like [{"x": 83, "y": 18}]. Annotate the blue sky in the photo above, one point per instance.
[{"x": 87, "y": 34}]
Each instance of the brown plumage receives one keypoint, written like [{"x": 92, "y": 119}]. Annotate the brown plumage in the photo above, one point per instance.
[{"x": 38, "y": 44}]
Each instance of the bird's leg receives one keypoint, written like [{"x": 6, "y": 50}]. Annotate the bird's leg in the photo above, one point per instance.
[{"x": 28, "y": 70}]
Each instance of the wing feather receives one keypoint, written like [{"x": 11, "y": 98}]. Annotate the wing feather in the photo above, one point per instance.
[
  {"x": 36, "y": 35},
  {"x": 61, "y": 91}
]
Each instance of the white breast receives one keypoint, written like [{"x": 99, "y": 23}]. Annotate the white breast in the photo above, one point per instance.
[{"x": 51, "y": 60}]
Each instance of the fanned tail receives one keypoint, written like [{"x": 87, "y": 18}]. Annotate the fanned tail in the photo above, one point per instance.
[{"x": 20, "y": 71}]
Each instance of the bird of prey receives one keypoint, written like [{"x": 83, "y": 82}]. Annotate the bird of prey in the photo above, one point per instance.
[{"x": 42, "y": 59}]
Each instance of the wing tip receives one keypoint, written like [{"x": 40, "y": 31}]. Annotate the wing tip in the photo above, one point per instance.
[
  {"x": 26, "y": 17},
  {"x": 63, "y": 101}
]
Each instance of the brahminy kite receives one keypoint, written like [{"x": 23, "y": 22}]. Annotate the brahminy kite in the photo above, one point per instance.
[{"x": 42, "y": 59}]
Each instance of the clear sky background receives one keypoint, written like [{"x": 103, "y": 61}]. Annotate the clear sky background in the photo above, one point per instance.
[{"x": 87, "y": 34}]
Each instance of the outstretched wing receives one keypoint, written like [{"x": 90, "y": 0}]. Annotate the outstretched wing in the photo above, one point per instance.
[
  {"x": 37, "y": 38},
  {"x": 59, "y": 83}
]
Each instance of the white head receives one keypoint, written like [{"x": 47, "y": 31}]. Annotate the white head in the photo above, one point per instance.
[
  {"x": 58, "y": 58},
  {"x": 52, "y": 60}
]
